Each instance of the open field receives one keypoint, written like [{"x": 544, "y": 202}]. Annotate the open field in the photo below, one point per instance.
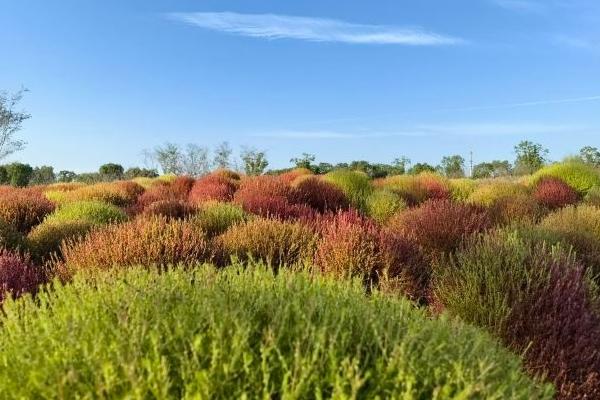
[{"x": 301, "y": 285}]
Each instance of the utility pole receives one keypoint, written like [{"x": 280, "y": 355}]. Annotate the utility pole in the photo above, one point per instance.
[{"x": 471, "y": 164}]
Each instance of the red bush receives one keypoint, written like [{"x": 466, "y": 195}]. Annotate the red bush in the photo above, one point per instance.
[
  {"x": 214, "y": 187},
  {"x": 177, "y": 209},
  {"x": 440, "y": 226},
  {"x": 292, "y": 175},
  {"x": 554, "y": 193},
  {"x": 17, "y": 275},
  {"x": 181, "y": 187},
  {"x": 435, "y": 188},
  {"x": 320, "y": 195},
  {"x": 558, "y": 330},
  {"x": 274, "y": 207},
  {"x": 24, "y": 208}
]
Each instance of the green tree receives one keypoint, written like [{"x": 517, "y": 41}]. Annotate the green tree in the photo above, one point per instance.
[
  {"x": 19, "y": 174},
  {"x": 255, "y": 162},
  {"x": 530, "y": 157},
  {"x": 304, "y": 161},
  {"x": 222, "y": 157},
  {"x": 136, "y": 172},
  {"x": 492, "y": 169},
  {"x": 111, "y": 171},
  {"x": 169, "y": 157},
  {"x": 590, "y": 155},
  {"x": 66, "y": 176},
  {"x": 401, "y": 164},
  {"x": 453, "y": 166},
  {"x": 3, "y": 175},
  {"x": 11, "y": 121},
  {"x": 421, "y": 167},
  {"x": 42, "y": 175}
]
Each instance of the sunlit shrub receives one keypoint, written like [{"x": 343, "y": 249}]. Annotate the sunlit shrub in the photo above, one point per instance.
[
  {"x": 170, "y": 208},
  {"x": 441, "y": 226},
  {"x": 382, "y": 204},
  {"x": 149, "y": 241},
  {"x": 91, "y": 211},
  {"x": 227, "y": 173},
  {"x": 579, "y": 176},
  {"x": 592, "y": 197},
  {"x": 461, "y": 189},
  {"x": 214, "y": 187},
  {"x": 291, "y": 176},
  {"x": 553, "y": 193},
  {"x": 489, "y": 193},
  {"x": 17, "y": 275},
  {"x": 181, "y": 186},
  {"x": 119, "y": 193},
  {"x": 45, "y": 240},
  {"x": 517, "y": 209},
  {"x": 24, "y": 208},
  {"x": 355, "y": 185},
  {"x": 215, "y": 218},
  {"x": 319, "y": 194},
  {"x": 275, "y": 242},
  {"x": 415, "y": 189}
]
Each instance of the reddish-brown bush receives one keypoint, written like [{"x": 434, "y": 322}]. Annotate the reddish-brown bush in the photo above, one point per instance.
[
  {"x": 519, "y": 208},
  {"x": 320, "y": 195},
  {"x": 18, "y": 275},
  {"x": 214, "y": 187},
  {"x": 170, "y": 208},
  {"x": 440, "y": 226},
  {"x": 145, "y": 241},
  {"x": 274, "y": 207},
  {"x": 292, "y": 175},
  {"x": 181, "y": 186},
  {"x": 435, "y": 187},
  {"x": 553, "y": 193},
  {"x": 23, "y": 208},
  {"x": 265, "y": 185}
]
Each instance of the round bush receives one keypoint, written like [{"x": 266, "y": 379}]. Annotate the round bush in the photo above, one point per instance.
[
  {"x": 201, "y": 333},
  {"x": 214, "y": 187},
  {"x": 296, "y": 173},
  {"x": 515, "y": 210},
  {"x": 462, "y": 188},
  {"x": 275, "y": 242},
  {"x": 581, "y": 177},
  {"x": 215, "y": 218},
  {"x": 553, "y": 193},
  {"x": 23, "y": 208},
  {"x": 90, "y": 211},
  {"x": 45, "y": 240},
  {"x": 319, "y": 194},
  {"x": 119, "y": 193},
  {"x": 355, "y": 185},
  {"x": 10, "y": 238},
  {"x": 170, "y": 208},
  {"x": 146, "y": 241},
  {"x": 17, "y": 276},
  {"x": 382, "y": 204},
  {"x": 415, "y": 189},
  {"x": 490, "y": 193}
]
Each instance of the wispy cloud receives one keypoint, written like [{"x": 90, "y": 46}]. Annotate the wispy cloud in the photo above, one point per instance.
[
  {"x": 318, "y": 134},
  {"x": 527, "y": 6},
  {"x": 273, "y": 26},
  {"x": 578, "y": 42}
]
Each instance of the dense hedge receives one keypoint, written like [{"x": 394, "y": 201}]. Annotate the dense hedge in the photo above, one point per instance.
[{"x": 235, "y": 334}]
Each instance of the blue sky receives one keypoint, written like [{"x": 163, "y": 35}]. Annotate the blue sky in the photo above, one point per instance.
[{"x": 367, "y": 80}]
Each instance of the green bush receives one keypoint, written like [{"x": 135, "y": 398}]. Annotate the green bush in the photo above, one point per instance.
[
  {"x": 593, "y": 196},
  {"x": 45, "y": 239},
  {"x": 355, "y": 185},
  {"x": 235, "y": 334},
  {"x": 581, "y": 177},
  {"x": 382, "y": 204},
  {"x": 215, "y": 217},
  {"x": 10, "y": 238},
  {"x": 90, "y": 211},
  {"x": 461, "y": 189},
  {"x": 490, "y": 193}
]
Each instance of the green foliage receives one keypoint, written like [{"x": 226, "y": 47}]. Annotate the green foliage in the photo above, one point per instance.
[
  {"x": 590, "y": 155},
  {"x": 530, "y": 157},
  {"x": 111, "y": 171},
  {"x": 19, "y": 174},
  {"x": 10, "y": 238},
  {"x": 421, "y": 167},
  {"x": 581, "y": 177},
  {"x": 493, "y": 169},
  {"x": 355, "y": 185},
  {"x": 66, "y": 176},
  {"x": 453, "y": 166},
  {"x": 215, "y": 217},
  {"x": 136, "y": 172},
  {"x": 255, "y": 162},
  {"x": 46, "y": 239},
  {"x": 461, "y": 189},
  {"x": 490, "y": 193},
  {"x": 382, "y": 204},
  {"x": 593, "y": 196},
  {"x": 91, "y": 211},
  {"x": 43, "y": 175},
  {"x": 201, "y": 333}
]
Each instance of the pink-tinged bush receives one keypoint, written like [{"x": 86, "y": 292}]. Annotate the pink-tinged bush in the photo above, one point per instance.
[
  {"x": 320, "y": 195},
  {"x": 214, "y": 187},
  {"x": 18, "y": 275},
  {"x": 145, "y": 241},
  {"x": 553, "y": 193},
  {"x": 265, "y": 185},
  {"x": 177, "y": 209},
  {"x": 275, "y": 242},
  {"x": 441, "y": 226},
  {"x": 23, "y": 208}
]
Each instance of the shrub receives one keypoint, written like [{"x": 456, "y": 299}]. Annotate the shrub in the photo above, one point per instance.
[
  {"x": 536, "y": 299},
  {"x": 382, "y": 204},
  {"x": 593, "y": 196},
  {"x": 553, "y": 193},
  {"x": 45, "y": 240},
  {"x": 91, "y": 211},
  {"x": 518, "y": 209},
  {"x": 490, "y": 193},
  {"x": 275, "y": 242},
  {"x": 215, "y": 218},
  {"x": 441, "y": 226},
  {"x": 177, "y": 209},
  {"x": 355, "y": 185},
  {"x": 10, "y": 238},
  {"x": 293, "y": 175},
  {"x": 235, "y": 334},
  {"x": 23, "y": 208},
  {"x": 120, "y": 193},
  {"x": 17, "y": 275},
  {"x": 581, "y": 177},
  {"x": 415, "y": 189},
  {"x": 215, "y": 187},
  {"x": 149, "y": 241},
  {"x": 461, "y": 189},
  {"x": 319, "y": 194},
  {"x": 181, "y": 186}
]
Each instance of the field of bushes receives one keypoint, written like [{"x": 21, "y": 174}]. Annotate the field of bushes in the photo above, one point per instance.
[{"x": 303, "y": 286}]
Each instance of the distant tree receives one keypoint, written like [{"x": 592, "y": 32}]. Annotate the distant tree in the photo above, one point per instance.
[
  {"x": 421, "y": 167},
  {"x": 530, "y": 157},
  {"x": 11, "y": 121},
  {"x": 136, "y": 172},
  {"x": 19, "y": 174},
  {"x": 169, "y": 157},
  {"x": 304, "y": 161},
  {"x": 401, "y": 164},
  {"x": 323, "y": 168},
  {"x": 255, "y": 161},
  {"x": 223, "y": 155},
  {"x": 590, "y": 155},
  {"x": 3, "y": 175},
  {"x": 194, "y": 160},
  {"x": 42, "y": 175},
  {"x": 89, "y": 177},
  {"x": 453, "y": 166},
  {"x": 66, "y": 176},
  {"x": 492, "y": 169},
  {"x": 111, "y": 171}
]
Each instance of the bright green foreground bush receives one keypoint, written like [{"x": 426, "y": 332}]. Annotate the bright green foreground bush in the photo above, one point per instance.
[
  {"x": 355, "y": 185},
  {"x": 579, "y": 176},
  {"x": 90, "y": 211},
  {"x": 204, "y": 334}
]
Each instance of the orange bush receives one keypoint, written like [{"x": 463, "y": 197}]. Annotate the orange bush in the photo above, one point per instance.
[
  {"x": 214, "y": 187},
  {"x": 23, "y": 208}
]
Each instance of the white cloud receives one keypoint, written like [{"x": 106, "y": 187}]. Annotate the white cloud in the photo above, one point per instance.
[{"x": 272, "y": 26}]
